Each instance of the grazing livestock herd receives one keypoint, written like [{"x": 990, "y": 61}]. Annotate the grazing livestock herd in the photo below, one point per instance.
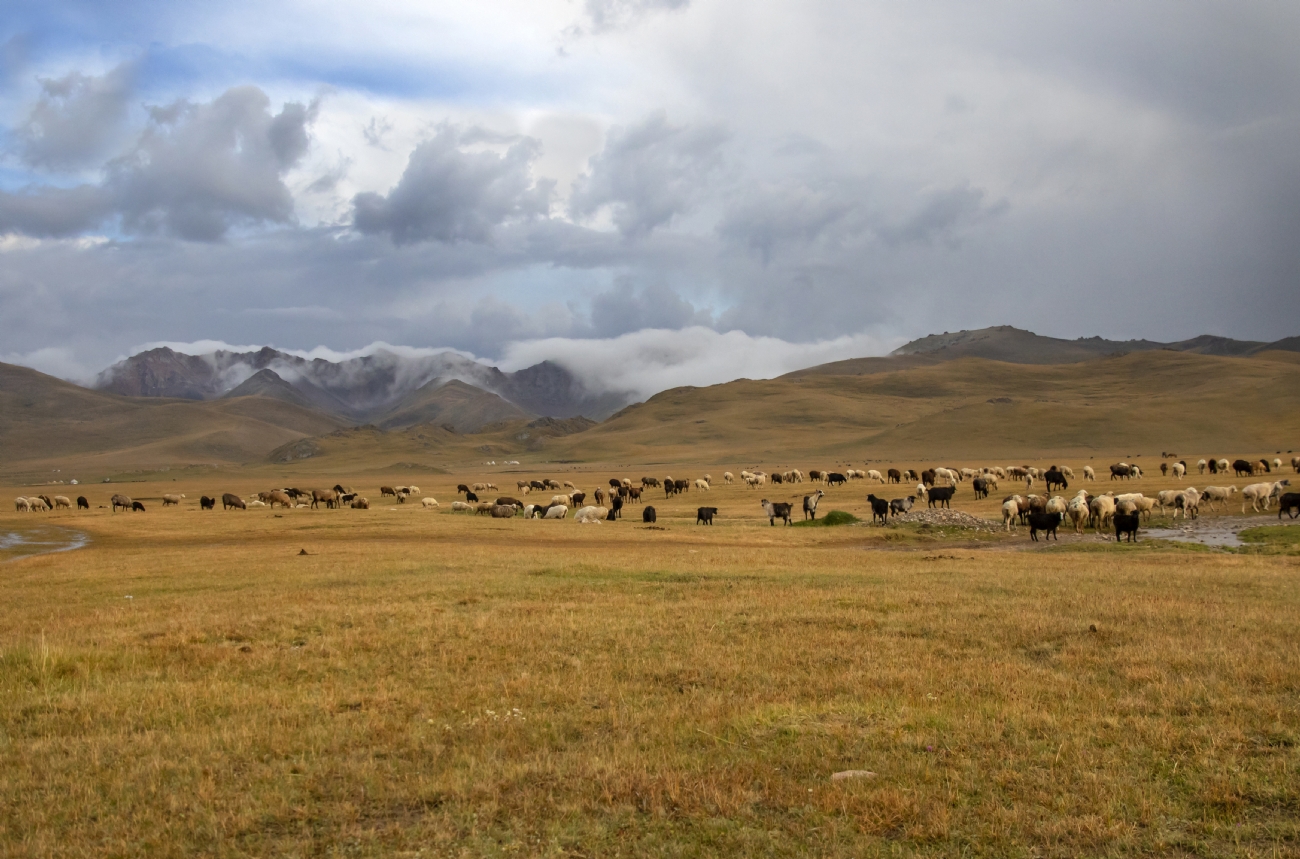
[{"x": 936, "y": 486}]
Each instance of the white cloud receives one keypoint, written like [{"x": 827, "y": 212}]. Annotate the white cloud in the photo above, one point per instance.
[
  {"x": 652, "y": 360},
  {"x": 58, "y": 361}
]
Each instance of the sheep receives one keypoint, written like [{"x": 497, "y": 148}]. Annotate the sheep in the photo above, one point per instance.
[
  {"x": 900, "y": 506},
  {"x": 1056, "y": 504},
  {"x": 1290, "y": 503},
  {"x": 360, "y": 504},
  {"x": 528, "y": 510},
  {"x": 798, "y": 475},
  {"x": 1243, "y": 468},
  {"x": 459, "y": 506},
  {"x": 590, "y": 515},
  {"x": 1088, "y": 473},
  {"x": 1214, "y": 494},
  {"x": 82, "y": 503},
  {"x": 550, "y": 483},
  {"x": 834, "y": 478},
  {"x": 1126, "y": 525},
  {"x": 1295, "y": 464},
  {"x": 1165, "y": 498},
  {"x": 1103, "y": 511},
  {"x": 137, "y": 507},
  {"x": 922, "y": 492},
  {"x": 558, "y": 511},
  {"x": 1010, "y": 510},
  {"x": 941, "y": 495},
  {"x": 1054, "y": 478},
  {"x": 1200, "y": 465},
  {"x": 872, "y": 474},
  {"x": 1223, "y": 466},
  {"x": 704, "y": 515},
  {"x": 276, "y": 496},
  {"x": 206, "y": 503},
  {"x": 568, "y": 484},
  {"x": 1077, "y": 510},
  {"x": 1142, "y": 504},
  {"x": 482, "y": 507},
  {"x": 39, "y": 503},
  {"x": 579, "y": 497},
  {"x": 615, "y": 508},
  {"x": 1121, "y": 471},
  {"x": 428, "y": 502},
  {"x": 810, "y": 504},
  {"x": 1067, "y": 471},
  {"x": 895, "y": 476},
  {"x": 775, "y": 510},
  {"x": 562, "y": 499},
  {"x": 123, "y": 501},
  {"x": 982, "y": 485},
  {"x": 702, "y": 485},
  {"x": 329, "y": 496},
  {"x": 255, "y": 503},
  {"x": 1189, "y": 501},
  {"x": 1178, "y": 470},
  {"x": 522, "y": 486},
  {"x": 383, "y": 490},
  {"x": 504, "y": 511},
  {"x": 1047, "y": 522},
  {"x": 1277, "y": 463},
  {"x": 471, "y": 497},
  {"x": 1256, "y": 492},
  {"x": 879, "y": 509},
  {"x": 648, "y": 515},
  {"x": 61, "y": 501},
  {"x": 728, "y": 478},
  {"x": 22, "y": 505}
]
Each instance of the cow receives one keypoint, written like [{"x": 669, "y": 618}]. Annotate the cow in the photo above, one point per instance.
[{"x": 704, "y": 515}]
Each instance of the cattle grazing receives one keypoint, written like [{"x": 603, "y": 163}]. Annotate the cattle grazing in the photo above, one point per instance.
[
  {"x": 82, "y": 503},
  {"x": 1126, "y": 524},
  {"x": 1047, "y": 522},
  {"x": 1290, "y": 503},
  {"x": 648, "y": 515},
  {"x": 231, "y": 500},
  {"x": 942, "y": 495},
  {"x": 123, "y": 501},
  {"x": 137, "y": 507},
  {"x": 776, "y": 510},
  {"x": 895, "y": 476},
  {"x": 704, "y": 515},
  {"x": 834, "y": 478},
  {"x": 206, "y": 503},
  {"x": 899, "y": 506},
  {"x": 879, "y": 509},
  {"x": 810, "y": 505}
]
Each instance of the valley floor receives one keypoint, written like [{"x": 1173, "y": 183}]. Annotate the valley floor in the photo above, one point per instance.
[{"x": 423, "y": 683}]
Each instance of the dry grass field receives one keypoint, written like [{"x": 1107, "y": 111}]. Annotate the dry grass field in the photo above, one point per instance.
[{"x": 423, "y": 683}]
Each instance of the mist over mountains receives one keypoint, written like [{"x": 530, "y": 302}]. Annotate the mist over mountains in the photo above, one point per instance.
[{"x": 395, "y": 387}]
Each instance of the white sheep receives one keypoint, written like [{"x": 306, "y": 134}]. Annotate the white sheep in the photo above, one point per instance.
[
  {"x": 1088, "y": 473},
  {"x": 1223, "y": 465},
  {"x": 413, "y": 490},
  {"x": 64, "y": 501},
  {"x": 1177, "y": 470},
  {"x": 256, "y": 503},
  {"x": 22, "y": 505},
  {"x": 728, "y": 477},
  {"x": 702, "y": 485},
  {"x": 1215, "y": 494},
  {"x": 1256, "y": 492},
  {"x": 461, "y": 506},
  {"x": 1056, "y": 504},
  {"x": 1103, "y": 510},
  {"x": 1077, "y": 510},
  {"x": 1142, "y": 504},
  {"x": 1191, "y": 500},
  {"x": 429, "y": 502},
  {"x": 559, "y": 511},
  {"x": 568, "y": 484},
  {"x": 1201, "y": 465},
  {"x": 1010, "y": 510},
  {"x": 591, "y": 515},
  {"x": 798, "y": 475},
  {"x": 1295, "y": 464},
  {"x": 528, "y": 510},
  {"x": 565, "y": 500},
  {"x": 1277, "y": 464},
  {"x": 1067, "y": 471}
]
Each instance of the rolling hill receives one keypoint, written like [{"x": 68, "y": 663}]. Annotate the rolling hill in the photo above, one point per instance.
[
  {"x": 48, "y": 422},
  {"x": 454, "y": 404}
]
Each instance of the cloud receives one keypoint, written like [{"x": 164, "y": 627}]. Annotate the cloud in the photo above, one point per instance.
[
  {"x": 625, "y": 309},
  {"x": 77, "y": 119},
  {"x": 449, "y": 194},
  {"x": 195, "y": 171},
  {"x": 655, "y": 360},
  {"x": 607, "y": 15},
  {"x": 649, "y": 173},
  {"x": 58, "y": 361}
]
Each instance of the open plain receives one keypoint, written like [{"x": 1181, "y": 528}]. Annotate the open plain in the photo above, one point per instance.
[{"x": 423, "y": 682}]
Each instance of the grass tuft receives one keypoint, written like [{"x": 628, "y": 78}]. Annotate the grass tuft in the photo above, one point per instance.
[{"x": 831, "y": 519}]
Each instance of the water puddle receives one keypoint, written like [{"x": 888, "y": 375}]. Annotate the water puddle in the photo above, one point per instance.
[
  {"x": 1212, "y": 533},
  {"x": 40, "y": 541}
]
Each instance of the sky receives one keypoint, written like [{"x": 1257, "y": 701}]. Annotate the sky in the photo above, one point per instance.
[{"x": 699, "y": 189}]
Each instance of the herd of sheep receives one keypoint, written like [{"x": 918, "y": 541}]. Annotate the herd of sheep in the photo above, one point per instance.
[{"x": 935, "y": 486}]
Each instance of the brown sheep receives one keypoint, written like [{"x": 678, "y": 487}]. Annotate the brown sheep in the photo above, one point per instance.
[
  {"x": 230, "y": 500},
  {"x": 119, "y": 500},
  {"x": 360, "y": 504}
]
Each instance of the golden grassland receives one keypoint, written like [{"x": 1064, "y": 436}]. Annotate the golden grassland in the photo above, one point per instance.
[{"x": 429, "y": 683}]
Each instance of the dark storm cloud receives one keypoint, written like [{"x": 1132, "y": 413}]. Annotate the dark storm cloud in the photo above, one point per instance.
[
  {"x": 649, "y": 173},
  {"x": 45, "y": 212},
  {"x": 448, "y": 194},
  {"x": 77, "y": 120}
]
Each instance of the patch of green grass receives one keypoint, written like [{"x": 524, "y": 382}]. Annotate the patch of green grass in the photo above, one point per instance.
[
  {"x": 831, "y": 519},
  {"x": 1271, "y": 540}
]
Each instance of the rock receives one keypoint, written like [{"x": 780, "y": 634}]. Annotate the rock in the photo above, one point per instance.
[{"x": 848, "y": 774}]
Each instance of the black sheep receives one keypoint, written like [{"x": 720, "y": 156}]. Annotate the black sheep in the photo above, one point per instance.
[
  {"x": 82, "y": 503},
  {"x": 1048, "y": 522},
  {"x": 648, "y": 515},
  {"x": 705, "y": 515},
  {"x": 1126, "y": 523},
  {"x": 879, "y": 509},
  {"x": 941, "y": 494}
]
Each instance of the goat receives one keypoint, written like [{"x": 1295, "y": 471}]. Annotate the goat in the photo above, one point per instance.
[
  {"x": 879, "y": 509},
  {"x": 900, "y": 506},
  {"x": 810, "y": 504},
  {"x": 775, "y": 510}
]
